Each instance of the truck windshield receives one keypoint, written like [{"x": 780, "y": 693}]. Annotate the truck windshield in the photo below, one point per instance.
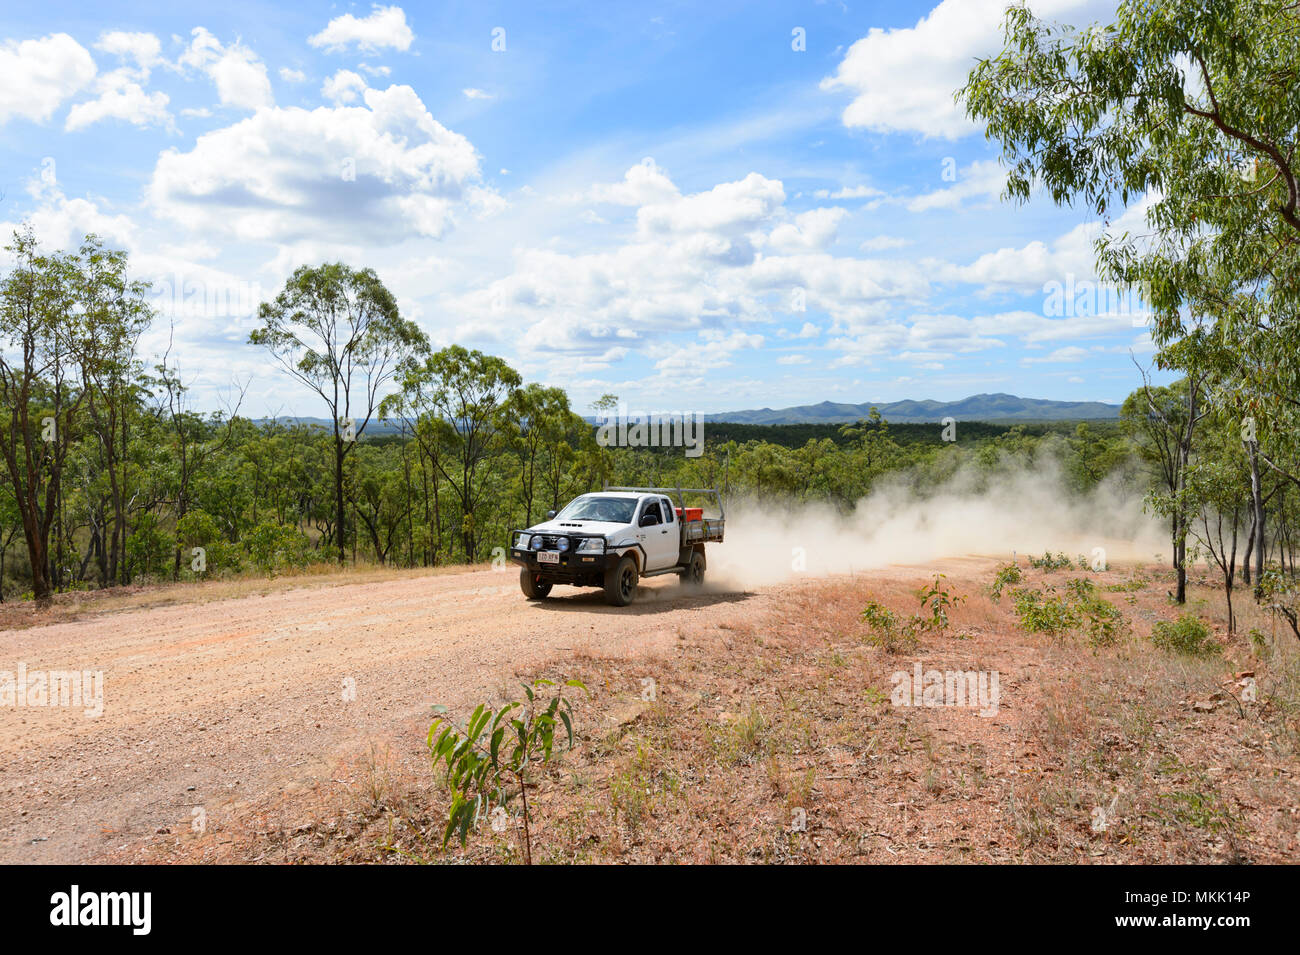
[{"x": 615, "y": 510}]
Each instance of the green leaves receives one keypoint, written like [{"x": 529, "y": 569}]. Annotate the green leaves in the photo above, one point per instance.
[
  {"x": 939, "y": 600},
  {"x": 496, "y": 746},
  {"x": 1190, "y": 107}
]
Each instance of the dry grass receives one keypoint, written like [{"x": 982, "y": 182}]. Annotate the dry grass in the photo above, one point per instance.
[{"x": 775, "y": 740}]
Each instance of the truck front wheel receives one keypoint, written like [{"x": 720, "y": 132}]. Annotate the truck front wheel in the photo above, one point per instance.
[
  {"x": 620, "y": 583},
  {"x": 533, "y": 586}
]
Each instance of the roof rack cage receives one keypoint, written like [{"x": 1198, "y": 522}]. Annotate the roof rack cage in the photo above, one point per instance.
[{"x": 678, "y": 491}]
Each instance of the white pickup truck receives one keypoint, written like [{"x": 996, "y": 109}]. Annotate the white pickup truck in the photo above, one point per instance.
[{"x": 613, "y": 538}]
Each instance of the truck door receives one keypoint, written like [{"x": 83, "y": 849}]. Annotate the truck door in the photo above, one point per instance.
[{"x": 660, "y": 539}]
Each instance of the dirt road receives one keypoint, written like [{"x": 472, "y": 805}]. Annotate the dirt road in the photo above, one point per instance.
[{"x": 212, "y": 702}]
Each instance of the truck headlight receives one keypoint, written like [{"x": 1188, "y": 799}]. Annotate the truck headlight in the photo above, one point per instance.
[
  {"x": 591, "y": 545},
  {"x": 522, "y": 541},
  {"x": 562, "y": 544},
  {"x": 536, "y": 543}
]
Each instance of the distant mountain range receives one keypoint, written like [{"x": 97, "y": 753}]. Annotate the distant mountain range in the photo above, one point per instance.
[{"x": 995, "y": 408}]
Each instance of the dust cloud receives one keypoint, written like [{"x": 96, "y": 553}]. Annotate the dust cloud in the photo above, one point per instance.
[{"x": 1021, "y": 512}]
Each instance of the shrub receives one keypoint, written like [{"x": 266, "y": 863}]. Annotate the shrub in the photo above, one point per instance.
[
  {"x": 1041, "y": 612},
  {"x": 1050, "y": 561},
  {"x": 481, "y": 760},
  {"x": 1186, "y": 635},
  {"x": 888, "y": 631},
  {"x": 148, "y": 548},
  {"x": 1007, "y": 576},
  {"x": 1100, "y": 619},
  {"x": 1080, "y": 609},
  {"x": 198, "y": 529},
  {"x": 275, "y": 546},
  {"x": 1279, "y": 594},
  {"x": 893, "y": 634},
  {"x": 939, "y": 601}
]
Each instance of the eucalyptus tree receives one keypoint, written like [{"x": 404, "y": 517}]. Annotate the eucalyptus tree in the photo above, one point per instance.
[
  {"x": 1219, "y": 493},
  {"x": 338, "y": 331},
  {"x": 1161, "y": 423},
  {"x": 1184, "y": 111},
  {"x": 40, "y": 394},
  {"x": 541, "y": 419},
  {"x": 466, "y": 401},
  {"x": 114, "y": 314}
]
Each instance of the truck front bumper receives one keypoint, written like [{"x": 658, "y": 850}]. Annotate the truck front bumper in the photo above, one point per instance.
[{"x": 571, "y": 568}]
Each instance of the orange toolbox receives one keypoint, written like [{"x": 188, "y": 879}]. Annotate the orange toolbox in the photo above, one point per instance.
[{"x": 692, "y": 514}]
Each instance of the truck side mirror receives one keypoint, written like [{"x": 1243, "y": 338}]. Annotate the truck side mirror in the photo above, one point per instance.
[
  {"x": 549, "y": 515},
  {"x": 649, "y": 520}
]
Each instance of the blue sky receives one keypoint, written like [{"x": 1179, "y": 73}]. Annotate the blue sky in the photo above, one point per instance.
[{"x": 697, "y": 207}]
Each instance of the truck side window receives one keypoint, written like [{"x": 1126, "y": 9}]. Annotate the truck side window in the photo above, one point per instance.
[
  {"x": 668, "y": 511},
  {"x": 652, "y": 507}
]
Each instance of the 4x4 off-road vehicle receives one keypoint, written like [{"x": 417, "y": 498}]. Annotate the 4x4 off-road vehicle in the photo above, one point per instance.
[{"x": 613, "y": 538}]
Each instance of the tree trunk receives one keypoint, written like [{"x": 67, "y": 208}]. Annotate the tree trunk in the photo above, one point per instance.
[
  {"x": 339, "y": 513},
  {"x": 1180, "y": 565},
  {"x": 39, "y": 552},
  {"x": 1257, "y": 513},
  {"x": 1245, "y": 558}
]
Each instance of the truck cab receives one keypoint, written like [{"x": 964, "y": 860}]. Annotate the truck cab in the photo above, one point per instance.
[{"x": 613, "y": 538}]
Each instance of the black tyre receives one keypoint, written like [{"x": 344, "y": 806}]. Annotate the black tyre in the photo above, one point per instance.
[
  {"x": 693, "y": 575},
  {"x": 534, "y": 587},
  {"x": 620, "y": 583}
]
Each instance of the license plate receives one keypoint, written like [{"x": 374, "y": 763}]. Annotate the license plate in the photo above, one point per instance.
[{"x": 548, "y": 556}]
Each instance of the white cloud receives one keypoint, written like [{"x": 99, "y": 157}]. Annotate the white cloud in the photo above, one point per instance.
[
  {"x": 343, "y": 87},
  {"x": 793, "y": 360},
  {"x": 385, "y": 27},
  {"x": 982, "y": 179},
  {"x": 475, "y": 93},
  {"x": 1036, "y": 263},
  {"x": 925, "y": 338},
  {"x": 292, "y": 76},
  {"x": 1071, "y": 353},
  {"x": 728, "y": 209},
  {"x": 144, "y": 49},
  {"x": 121, "y": 98},
  {"x": 380, "y": 173},
  {"x": 903, "y": 80},
  {"x": 40, "y": 74},
  {"x": 931, "y": 337},
  {"x": 643, "y": 184},
  {"x": 812, "y": 230},
  {"x": 62, "y": 223},
  {"x": 240, "y": 77},
  {"x": 714, "y": 350},
  {"x": 121, "y": 92},
  {"x": 849, "y": 192},
  {"x": 693, "y": 264}
]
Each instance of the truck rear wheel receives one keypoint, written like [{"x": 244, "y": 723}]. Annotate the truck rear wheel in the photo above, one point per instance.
[
  {"x": 533, "y": 586},
  {"x": 693, "y": 575},
  {"x": 620, "y": 583}
]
